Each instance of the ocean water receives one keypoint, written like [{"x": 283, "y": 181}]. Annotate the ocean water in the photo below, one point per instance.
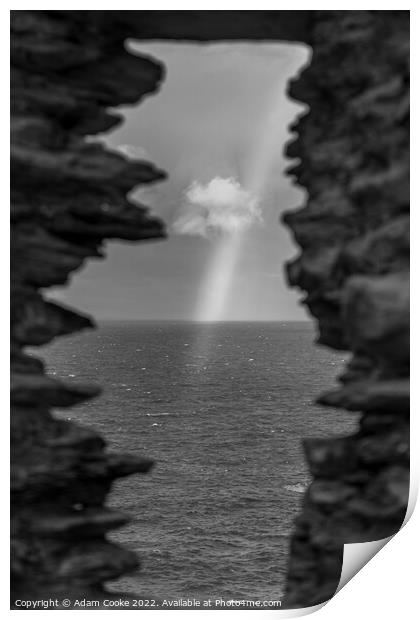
[{"x": 222, "y": 410}]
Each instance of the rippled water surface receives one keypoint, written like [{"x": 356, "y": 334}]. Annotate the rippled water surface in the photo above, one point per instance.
[{"x": 222, "y": 410}]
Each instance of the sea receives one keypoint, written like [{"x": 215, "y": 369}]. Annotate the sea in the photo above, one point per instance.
[{"x": 222, "y": 410}]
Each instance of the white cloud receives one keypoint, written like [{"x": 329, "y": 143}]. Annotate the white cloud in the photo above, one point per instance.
[{"x": 218, "y": 207}]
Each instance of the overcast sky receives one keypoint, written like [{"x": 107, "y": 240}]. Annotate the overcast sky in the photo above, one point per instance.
[{"x": 222, "y": 112}]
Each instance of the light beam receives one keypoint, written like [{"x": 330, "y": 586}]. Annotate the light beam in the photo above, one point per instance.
[{"x": 214, "y": 293}]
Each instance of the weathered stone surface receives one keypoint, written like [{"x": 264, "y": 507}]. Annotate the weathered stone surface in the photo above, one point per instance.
[
  {"x": 197, "y": 25},
  {"x": 68, "y": 196},
  {"x": 354, "y": 235},
  {"x": 90, "y": 522},
  {"x": 376, "y": 318},
  {"x": 36, "y": 321},
  {"x": 33, "y": 389},
  {"x": 389, "y": 395}
]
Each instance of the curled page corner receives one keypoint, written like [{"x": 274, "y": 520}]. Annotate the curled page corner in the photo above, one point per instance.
[
  {"x": 357, "y": 555},
  {"x": 412, "y": 499},
  {"x": 299, "y": 612}
]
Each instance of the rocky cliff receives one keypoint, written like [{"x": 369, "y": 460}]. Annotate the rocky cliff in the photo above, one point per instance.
[
  {"x": 353, "y": 150},
  {"x": 69, "y": 70},
  {"x": 68, "y": 196}
]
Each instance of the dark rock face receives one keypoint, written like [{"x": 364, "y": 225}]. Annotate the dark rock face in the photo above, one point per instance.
[
  {"x": 354, "y": 235},
  {"x": 68, "y": 195}
]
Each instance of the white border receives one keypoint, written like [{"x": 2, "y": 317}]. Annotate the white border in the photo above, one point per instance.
[{"x": 387, "y": 585}]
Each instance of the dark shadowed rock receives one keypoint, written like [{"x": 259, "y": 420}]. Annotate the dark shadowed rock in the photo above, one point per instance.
[{"x": 353, "y": 267}]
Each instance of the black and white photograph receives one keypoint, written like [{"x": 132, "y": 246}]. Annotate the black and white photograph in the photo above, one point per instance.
[{"x": 210, "y": 325}]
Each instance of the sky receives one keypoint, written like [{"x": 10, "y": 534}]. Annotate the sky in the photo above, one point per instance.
[{"x": 218, "y": 126}]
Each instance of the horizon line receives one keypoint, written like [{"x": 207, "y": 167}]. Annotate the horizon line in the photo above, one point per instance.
[{"x": 122, "y": 320}]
